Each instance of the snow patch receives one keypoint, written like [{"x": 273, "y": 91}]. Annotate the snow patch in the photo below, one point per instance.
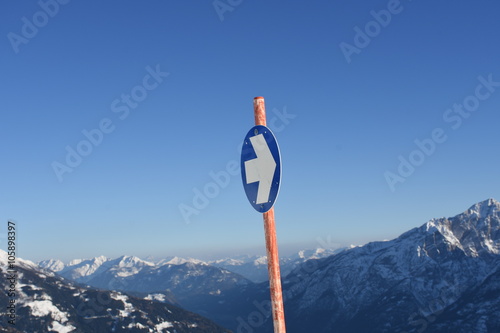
[
  {"x": 128, "y": 307},
  {"x": 136, "y": 325},
  {"x": 60, "y": 328},
  {"x": 44, "y": 308},
  {"x": 160, "y": 327},
  {"x": 125, "y": 273},
  {"x": 155, "y": 297}
]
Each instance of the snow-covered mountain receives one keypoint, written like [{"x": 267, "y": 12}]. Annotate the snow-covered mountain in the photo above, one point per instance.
[
  {"x": 253, "y": 268},
  {"x": 429, "y": 276},
  {"x": 177, "y": 275},
  {"x": 178, "y": 261},
  {"x": 54, "y": 265},
  {"x": 189, "y": 283},
  {"x": 45, "y": 302},
  {"x": 84, "y": 270}
]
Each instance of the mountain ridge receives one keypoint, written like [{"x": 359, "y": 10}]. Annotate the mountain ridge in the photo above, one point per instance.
[{"x": 440, "y": 260}]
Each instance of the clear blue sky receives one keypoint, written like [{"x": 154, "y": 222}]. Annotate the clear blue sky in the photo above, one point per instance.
[{"x": 354, "y": 106}]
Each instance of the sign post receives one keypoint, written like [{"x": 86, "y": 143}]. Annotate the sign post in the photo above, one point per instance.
[{"x": 261, "y": 173}]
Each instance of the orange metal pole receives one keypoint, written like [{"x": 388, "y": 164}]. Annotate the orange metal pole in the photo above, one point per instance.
[{"x": 273, "y": 264}]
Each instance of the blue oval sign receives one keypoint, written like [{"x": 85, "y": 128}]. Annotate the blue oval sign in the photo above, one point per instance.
[{"x": 261, "y": 168}]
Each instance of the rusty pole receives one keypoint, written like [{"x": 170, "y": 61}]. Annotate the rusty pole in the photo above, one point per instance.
[{"x": 273, "y": 264}]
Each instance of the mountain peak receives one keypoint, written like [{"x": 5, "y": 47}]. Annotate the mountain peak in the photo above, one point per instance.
[
  {"x": 130, "y": 261},
  {"x": 54, "y": 265},
  {"x": 484, "y": 208},
  {"x": 475, "y": 231},
  {"x": 180, "y": 261}
]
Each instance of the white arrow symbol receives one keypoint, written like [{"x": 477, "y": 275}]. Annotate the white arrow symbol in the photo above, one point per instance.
[{"x": 261, "y": 169}]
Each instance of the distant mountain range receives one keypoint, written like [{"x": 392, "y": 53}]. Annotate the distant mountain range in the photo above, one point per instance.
[
  {"x": 253, "y": 268},
  {"x": 45, "y": 302},
  {"x": 213, "y": 289},
  {"x": 443, "y": 276}
]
